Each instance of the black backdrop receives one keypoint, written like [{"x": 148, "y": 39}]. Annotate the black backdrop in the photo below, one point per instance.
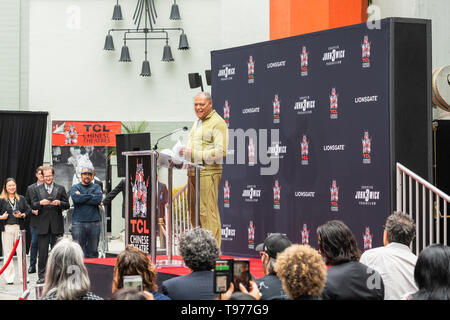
[{"x": 22, "y": 143}]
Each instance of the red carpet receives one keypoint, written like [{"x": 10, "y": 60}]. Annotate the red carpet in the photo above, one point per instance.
[{"x": 256, "y": 268}]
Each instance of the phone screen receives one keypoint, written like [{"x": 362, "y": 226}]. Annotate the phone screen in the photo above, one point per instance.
[
  {"x": 241, "y": 273},
  {"x": 222, "y": 275},
  {"x": 133, "y": 282}
]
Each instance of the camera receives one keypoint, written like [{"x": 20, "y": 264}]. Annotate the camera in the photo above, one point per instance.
[{"x": 231, "y": 270}]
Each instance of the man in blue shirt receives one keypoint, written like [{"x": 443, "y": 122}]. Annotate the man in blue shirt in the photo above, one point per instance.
[{"x": 86, "y": 218}]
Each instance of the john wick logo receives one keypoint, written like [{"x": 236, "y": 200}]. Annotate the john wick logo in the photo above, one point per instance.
[
  {"x": 251, "y": 194},
  {"x": 226, "y": 113},
  {"x": 333, "y": 56},
  {"x": 334, "y": 104},
  {"x": 367, "y": 239},
  {"x": 334, "y": 196},
  {"x": 228, "y": 233},
  {"x": 305, "y": 105},
  {"x": 305, "y": 234},
  {"x": 251, "y": 152},
  {"x": 367, "y": 196},
  {"x": 304, "y": 62},
  {"x": 305, "y": 150},
  {"x": 277, "y": 150},
  {"x": 366, "y": 52},
  {"x": 226, "y": 195},
  {"x": 251, "y": 235},
  {"x": 251, "y": 70},
  {"x": 276, "y": 195},
  {"x": 71, "y": 135},
  {"x": 366, "y": 148},
  {"x": 139, "y": 188},
  {"x": 227, "y": 72},
  {"x": 276, "y": 109}
]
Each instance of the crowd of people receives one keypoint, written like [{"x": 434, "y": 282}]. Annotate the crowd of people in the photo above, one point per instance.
[{"x": 337, "y": 270}]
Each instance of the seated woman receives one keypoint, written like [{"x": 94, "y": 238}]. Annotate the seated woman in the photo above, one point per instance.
[{"x": 133, "y": 261}]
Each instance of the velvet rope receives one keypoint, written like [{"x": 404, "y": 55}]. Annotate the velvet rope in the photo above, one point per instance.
[{"x": 11, "y": 255}]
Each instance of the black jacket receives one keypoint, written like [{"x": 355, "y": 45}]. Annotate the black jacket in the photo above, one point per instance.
[
  {"x": 50, "y": 216},
  {"x": 120, "y": 188},
  {"x": 353, "y": 281},
  {"x": 22, "y": 206},
  {"x": 31, "y": 218}
]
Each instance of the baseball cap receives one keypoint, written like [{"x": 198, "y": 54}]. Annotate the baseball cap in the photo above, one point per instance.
[
  {"x": 86, "y": 170},
  {"x": 274, "y": 244}
]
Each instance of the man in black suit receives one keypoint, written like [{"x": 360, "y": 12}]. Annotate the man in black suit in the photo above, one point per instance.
[
  {"x": 50, "y": 199},
  {"x": 33, "y": 217}
]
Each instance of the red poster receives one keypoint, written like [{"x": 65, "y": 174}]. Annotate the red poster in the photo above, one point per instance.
[{"x": 85, "y": 133}]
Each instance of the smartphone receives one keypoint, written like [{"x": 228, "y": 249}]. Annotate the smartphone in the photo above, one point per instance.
[
  {"x": 222, "y": 275},
  {"x": 134, "y": 281},
  {"x": 241, "y": 273}
]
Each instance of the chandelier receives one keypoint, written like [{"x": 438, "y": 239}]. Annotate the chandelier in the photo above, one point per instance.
[{"x": 145, "y": 15}]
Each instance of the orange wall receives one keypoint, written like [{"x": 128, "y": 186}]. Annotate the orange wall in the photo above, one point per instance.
[{"x": 294, "y": 17}]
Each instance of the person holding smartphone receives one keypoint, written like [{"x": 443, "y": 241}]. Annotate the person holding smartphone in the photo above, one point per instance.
[{"x": 13, "y": 211}]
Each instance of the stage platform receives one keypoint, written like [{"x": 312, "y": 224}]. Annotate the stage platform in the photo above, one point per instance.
[{"x": 101, "y": 272}]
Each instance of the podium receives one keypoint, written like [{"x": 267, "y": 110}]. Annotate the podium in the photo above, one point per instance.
[{"x": 141, "y": 193}]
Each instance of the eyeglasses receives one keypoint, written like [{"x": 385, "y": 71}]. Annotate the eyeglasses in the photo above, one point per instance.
[{"x": 48, "y": 176}]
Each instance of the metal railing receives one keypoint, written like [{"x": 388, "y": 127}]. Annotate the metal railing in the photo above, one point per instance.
[
  {"x": 424, "y": 206},
  {"x": 181, "y": 221}
]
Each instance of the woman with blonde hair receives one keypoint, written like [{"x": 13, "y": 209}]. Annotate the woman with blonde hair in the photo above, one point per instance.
[
  {"x": 133, "y": 261},
  {"x": 66, "y": 276},
  {"x": 13, "y": 211}
]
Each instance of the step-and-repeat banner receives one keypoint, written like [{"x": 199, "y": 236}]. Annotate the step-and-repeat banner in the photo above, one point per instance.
[{"x": 308, "y": 121}]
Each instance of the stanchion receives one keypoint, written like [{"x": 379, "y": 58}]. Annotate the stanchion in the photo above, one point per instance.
[
  {"x": 13, "y": 251},
  {"x": 24, "y": 260}
]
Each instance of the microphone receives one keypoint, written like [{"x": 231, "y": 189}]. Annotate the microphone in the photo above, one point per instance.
[{"x": 169, "y": 134}]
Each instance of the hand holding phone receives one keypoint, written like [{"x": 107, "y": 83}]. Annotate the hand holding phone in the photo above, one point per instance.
[
  {"x": 134, "y": 281},
  {"x": 222, "y": 275},
  {"x": 241, "y": 274}
]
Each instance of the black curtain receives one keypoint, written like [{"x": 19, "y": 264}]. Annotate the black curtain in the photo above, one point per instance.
[{"x": 22, "y": 144}]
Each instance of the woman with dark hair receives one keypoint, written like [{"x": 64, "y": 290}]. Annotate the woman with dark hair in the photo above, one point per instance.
[
  {"x": 133, "y": 261},
  {"x": 432, "y": 273},
  {"x": 347, "y": 278},
  {"x": 13, "y": 211}
]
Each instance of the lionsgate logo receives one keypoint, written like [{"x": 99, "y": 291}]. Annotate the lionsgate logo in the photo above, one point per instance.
[
  {"x": 277, "y": 150},
  {"x": 227, "y": 72},
  {"x": 277, "y": 64},
  {"x": 304, "y": 148},
  {"x": 251, "y": 193},
  {"x": 304, "y": 62},
  {"x": 334, "y": 55},
  {"x": 251, "y": 69},
  {"x": 334, "y": 147},
  {"x": 334, "y": 104},
  {"x": 334, "y": 196},
  {"x": 366, "y": 99},
  {"x": 228, "y": 233},
  {"x": 304, "y": 194},
  {"x": 226, "y": 194},
  {"x": 366, "y": 148},
  {"x": 305, "y": 105},
  {"x": 365, "y": 46},
  {"x": 276, "y": 104},
  {"x": 366, "y": 196},
  {"x": 276, "y": 195},
  {"x": 250, "y": 110}
]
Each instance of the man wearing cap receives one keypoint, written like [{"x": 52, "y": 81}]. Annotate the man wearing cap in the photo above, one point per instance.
[
  {"x": 86, "y": 218},
  {"x": 270, "y": 285}
]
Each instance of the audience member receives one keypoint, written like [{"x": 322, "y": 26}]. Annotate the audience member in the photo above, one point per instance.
[
  {"x": 50, "y": 199},
  {"x": 347, "y": 278},
  {"x": 66, "y": 277},
  {"x": 270, "y": 285},
  {"x": 86, "y": 218},
  {"x": 302, "y": 272},
  {"x": 432, "y": 273},
  {"x": 33, "y": 217},
  {"x": 243, "y": 294},
  {"x": 199, "y": 250},
  {"x": 13, "y": 209},
  {"x": 131, "y": 294},
  {"x": 133, "y": 261},
  {"x": 395, "y": 262}
]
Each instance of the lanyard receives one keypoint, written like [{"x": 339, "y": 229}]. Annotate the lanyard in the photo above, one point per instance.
[{"x": 13, "y": 205}]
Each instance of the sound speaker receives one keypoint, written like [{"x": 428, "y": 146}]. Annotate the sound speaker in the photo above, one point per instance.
[
  {"x": 208, "y": 77},
  {"x": 130, "y": 142},
  {"x": 195, "y": 80}
]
